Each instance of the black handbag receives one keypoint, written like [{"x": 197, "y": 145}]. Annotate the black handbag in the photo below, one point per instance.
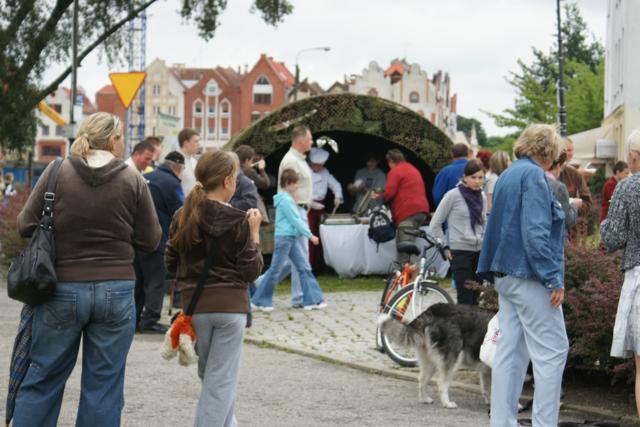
[{"x": 32, "y": 275}]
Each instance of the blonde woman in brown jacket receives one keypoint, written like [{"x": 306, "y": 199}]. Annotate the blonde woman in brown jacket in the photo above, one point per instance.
[
  {"x": 208, "y": 223},
  {"x": 102, "y": 212}
]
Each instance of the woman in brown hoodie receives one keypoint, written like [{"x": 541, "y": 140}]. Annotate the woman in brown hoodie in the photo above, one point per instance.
[
  {"x": 208, "y": 223},
  {"x": 102, "y": 211}
]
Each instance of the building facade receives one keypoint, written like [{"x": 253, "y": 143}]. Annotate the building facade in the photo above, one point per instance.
[
  {"x": 622, "y": 68},
  {"x": 409, "y": 85},
  {"x": 51, "y": 138},
  {"x": 263, "y": 89},
  {"x": 217, "y": 102}
]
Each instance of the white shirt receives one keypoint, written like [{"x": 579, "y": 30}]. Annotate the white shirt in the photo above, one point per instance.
[
  {"x": 129, "y": 162},
  {"x": 322, "y": 182},
  {"x": 297, "y": 161},
  {"x": 188, "y": 176}
]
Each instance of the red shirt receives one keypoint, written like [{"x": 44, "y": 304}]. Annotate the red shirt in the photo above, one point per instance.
[
  {"x": 406, "y": 192},
  {"x": 607, "y": 193}
]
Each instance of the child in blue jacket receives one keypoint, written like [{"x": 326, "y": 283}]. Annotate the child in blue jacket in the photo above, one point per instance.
[{"x": 289, "y": 226}]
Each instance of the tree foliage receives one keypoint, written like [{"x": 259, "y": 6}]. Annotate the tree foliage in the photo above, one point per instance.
[
  {"x": 535, "y": 83},
  {"x": 34, "y": 34},
  {"x": 466, "y": 125}
]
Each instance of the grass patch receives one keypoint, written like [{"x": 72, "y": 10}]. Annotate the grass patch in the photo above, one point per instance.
[{"x": 331, "y": 283}]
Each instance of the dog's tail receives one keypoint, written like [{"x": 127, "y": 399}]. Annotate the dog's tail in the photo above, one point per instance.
[{"x": 398, "y": 332}]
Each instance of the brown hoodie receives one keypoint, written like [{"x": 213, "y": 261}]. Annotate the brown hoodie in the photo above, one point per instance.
[
  {"x": 236, "y": 261},
  {"x": 99, "y": 215}
]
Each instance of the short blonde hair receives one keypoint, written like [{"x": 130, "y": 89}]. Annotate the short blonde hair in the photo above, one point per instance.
[
  {"x": 633, "y": 141},
  {"x": 96, "y": 133},
  {"x": 538, "y": 140}
]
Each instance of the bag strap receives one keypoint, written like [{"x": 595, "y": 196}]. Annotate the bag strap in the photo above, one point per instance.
[
  {"x": 49, "y": 192},
  {"x": 200, "y": 285}
]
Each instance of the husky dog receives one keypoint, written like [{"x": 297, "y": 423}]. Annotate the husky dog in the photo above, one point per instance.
[{"x": 446, "y": 337}]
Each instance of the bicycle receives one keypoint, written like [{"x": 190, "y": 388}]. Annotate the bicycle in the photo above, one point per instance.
[{"x": 400, "y": 298}]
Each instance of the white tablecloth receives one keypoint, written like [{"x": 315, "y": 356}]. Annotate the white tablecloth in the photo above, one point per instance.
[{"x": 350, "y": 252}]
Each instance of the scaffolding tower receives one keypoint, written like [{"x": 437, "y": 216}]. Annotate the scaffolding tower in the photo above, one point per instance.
[{"x": 137, "y": 63}]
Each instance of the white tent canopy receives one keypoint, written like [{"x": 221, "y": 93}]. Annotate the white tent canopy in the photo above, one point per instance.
[{"x": 594, "y": 146}]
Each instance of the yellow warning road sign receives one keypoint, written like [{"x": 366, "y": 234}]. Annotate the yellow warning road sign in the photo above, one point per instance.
[
  {"x": 127, "y": 85},
  {"x": 53, "y": 114}
]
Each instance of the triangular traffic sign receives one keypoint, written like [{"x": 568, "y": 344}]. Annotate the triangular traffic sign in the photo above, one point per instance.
[{"x": 127, "y": 85}]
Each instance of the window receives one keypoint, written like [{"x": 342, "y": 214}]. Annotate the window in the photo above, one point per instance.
[
  {"x": 255, "y": 116},
  {"x": 57, "y": 107},
  {"x": 156, "y": 109},
  {"x": 212, "y": 130},
  {"x": 212, "y": 110},
  {"x": 225, "y": 133},
  {"x": 197, "y": 108},
  {"x": 262, "y": 91},
  {"x": 414, "y": 98},
  {"x": 224, "y": 106},
  {"x": 52, "y": 150},
  {"x": 262, "y": 98},
  {"x": 156, "y": 90},
  {"x": 59, "y": 131},
  {"x": 212, "y": 88},
  {"x": 45, "y": 130},
  {"x": 172, "y": 111}
]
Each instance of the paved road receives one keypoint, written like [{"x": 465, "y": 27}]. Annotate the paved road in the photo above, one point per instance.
[{"x": 276, "y": 388}]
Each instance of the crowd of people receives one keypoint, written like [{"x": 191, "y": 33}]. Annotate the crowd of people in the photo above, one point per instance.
[{"x": 198, "y": 215}]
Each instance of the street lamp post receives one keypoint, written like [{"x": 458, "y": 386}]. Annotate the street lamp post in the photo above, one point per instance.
[
  {"x": 562, "y": 113},
  {"x": 297, "y": 81}
]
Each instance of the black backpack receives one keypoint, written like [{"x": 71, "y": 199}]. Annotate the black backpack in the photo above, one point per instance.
[
  {"x": 32, "y": 275},
  {"x": 381, "y": 228}
]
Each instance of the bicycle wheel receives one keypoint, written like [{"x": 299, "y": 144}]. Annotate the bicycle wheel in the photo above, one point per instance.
[{"x": 403, "y": 308}]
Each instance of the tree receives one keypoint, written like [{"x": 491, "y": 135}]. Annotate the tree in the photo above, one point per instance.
[
  {"x": 34, "y": 35},
  {"x": 535, "y": 83},
  {"x": 466, "y": 124}
]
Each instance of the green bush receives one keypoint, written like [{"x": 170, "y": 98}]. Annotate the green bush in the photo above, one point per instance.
[
  {"x": 592, "y": 288},
  {"x": 11, "y": 244}
]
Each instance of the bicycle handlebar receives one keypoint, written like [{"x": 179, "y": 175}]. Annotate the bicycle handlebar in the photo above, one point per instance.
[{"x": 433, "y": 241}]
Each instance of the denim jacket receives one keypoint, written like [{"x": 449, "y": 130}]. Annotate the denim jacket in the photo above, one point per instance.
[{"x": 525, "y": 232}]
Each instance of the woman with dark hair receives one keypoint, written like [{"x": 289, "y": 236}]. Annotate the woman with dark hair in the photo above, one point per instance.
[
  {"x": 208, "y": 226},
  {"x": 464, "y": 209}
]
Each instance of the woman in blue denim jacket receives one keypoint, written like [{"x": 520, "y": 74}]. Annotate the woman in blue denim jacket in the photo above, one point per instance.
[{"x": 523, "y": 254}]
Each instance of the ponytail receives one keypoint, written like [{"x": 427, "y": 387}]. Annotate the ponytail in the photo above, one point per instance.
[
  {"x": 210, "y": 172},
  {"x": 187, "y": 229},
  {"x": 81, "y": 146}
]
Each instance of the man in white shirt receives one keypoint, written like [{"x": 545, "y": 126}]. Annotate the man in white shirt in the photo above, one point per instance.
[
  {"x": 295, "y": 159},
  {"x": 323, "y": 181},
  {"x": 142, "y": 156},
  {"x": 189, "y": 141}
]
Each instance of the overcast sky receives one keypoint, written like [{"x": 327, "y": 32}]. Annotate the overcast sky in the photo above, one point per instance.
[{"x": 476, "y": 42}]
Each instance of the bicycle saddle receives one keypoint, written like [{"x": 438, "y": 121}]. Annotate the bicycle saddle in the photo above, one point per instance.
[{"x": 409, "y": 248}]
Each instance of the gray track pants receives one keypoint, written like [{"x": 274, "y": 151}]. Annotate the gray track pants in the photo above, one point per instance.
[{"x": 218, "y": 344}]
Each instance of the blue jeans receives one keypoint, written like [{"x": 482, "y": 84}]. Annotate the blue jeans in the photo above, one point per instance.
[
  {"x": 530, "y": 328},
  {"x": 103, "y": 314},
  {"x": 288, "y": 247}
]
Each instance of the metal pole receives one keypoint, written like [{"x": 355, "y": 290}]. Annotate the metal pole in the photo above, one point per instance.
[
  {"x": 297, "y": 82},
  {"x": 562, "y": 113},
  {"x": 74, "y": 63}
]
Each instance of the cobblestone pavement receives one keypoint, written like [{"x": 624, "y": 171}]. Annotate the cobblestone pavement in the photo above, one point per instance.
[{"x": 345, "y": 330}]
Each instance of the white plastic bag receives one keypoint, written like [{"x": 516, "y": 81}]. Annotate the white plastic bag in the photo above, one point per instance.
[{"x": 488, "y": 347}]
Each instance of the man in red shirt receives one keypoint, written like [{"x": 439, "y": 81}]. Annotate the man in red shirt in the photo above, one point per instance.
[
  {"x": 620, "y": 172},
  {"x": 406, "y": 192}
]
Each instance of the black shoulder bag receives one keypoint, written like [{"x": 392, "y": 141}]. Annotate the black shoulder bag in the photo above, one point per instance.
[{"x": 32, "y": 275}]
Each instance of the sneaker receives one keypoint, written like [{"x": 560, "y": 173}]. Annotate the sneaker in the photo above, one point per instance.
[
  {"x": 297, "y": 306},
  {"x": 321, "y": 305},
  {"x": 261, "y": 308},
  {"x": 310, "y": 307}
]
